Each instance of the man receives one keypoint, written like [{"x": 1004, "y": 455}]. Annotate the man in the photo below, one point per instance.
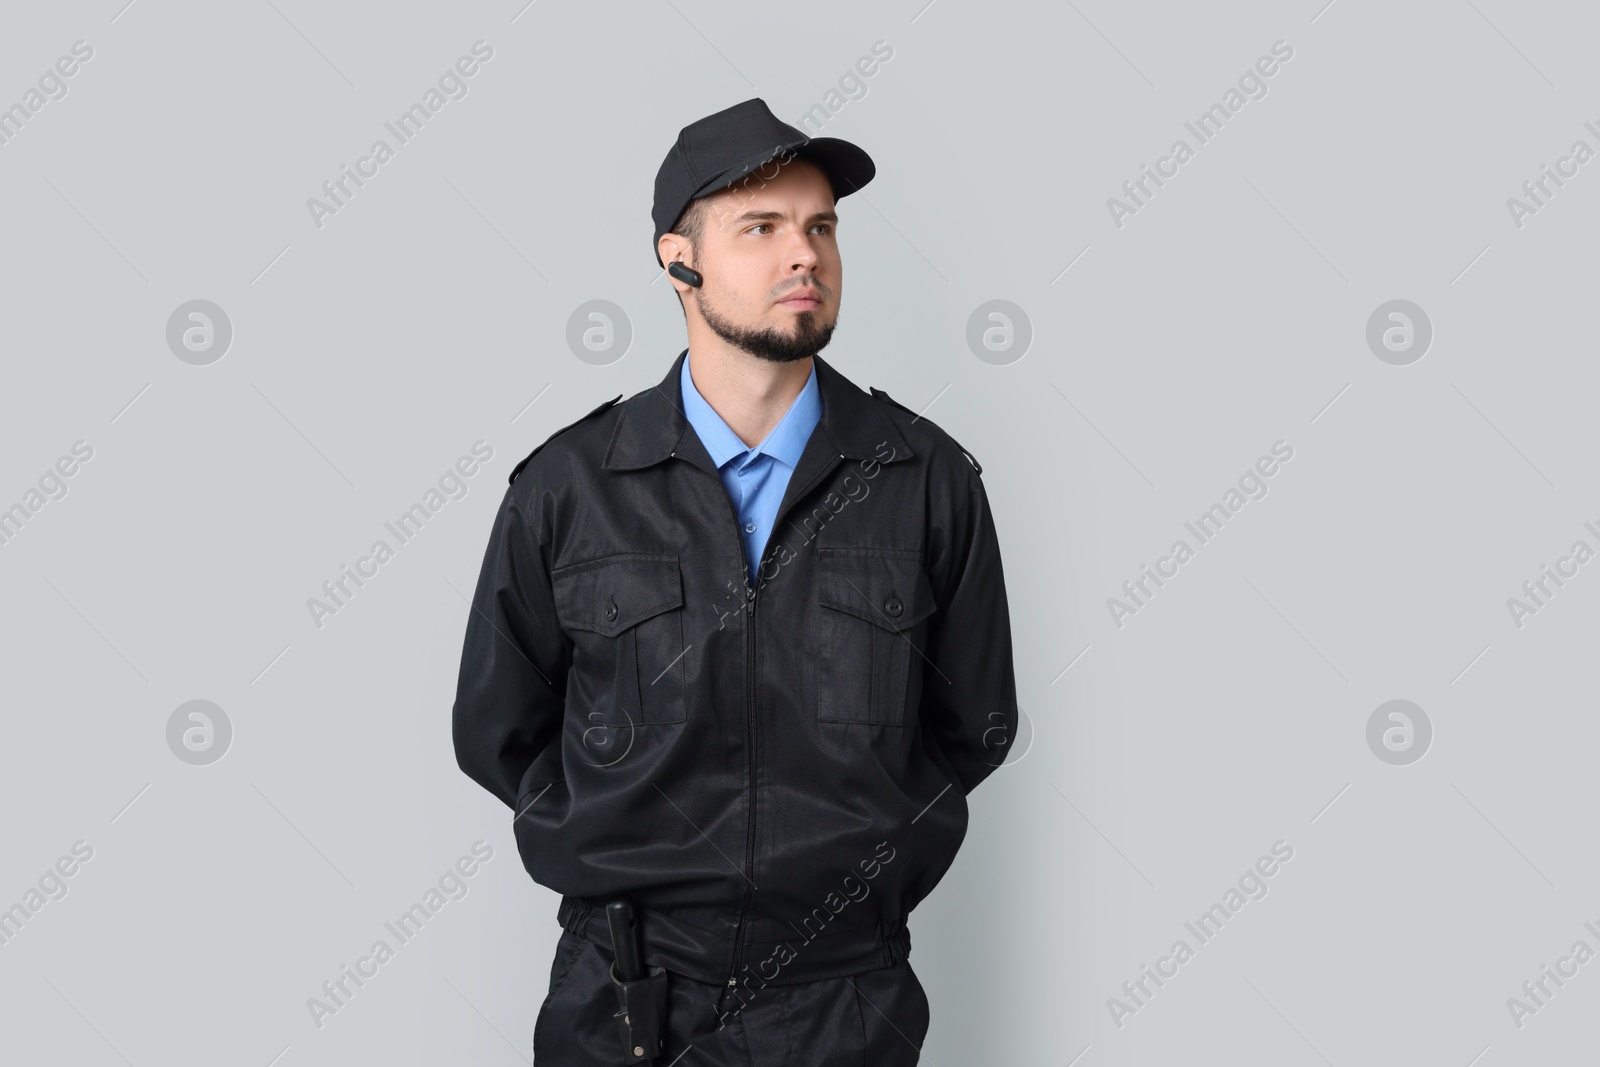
[{"x": 740, "y": 649}]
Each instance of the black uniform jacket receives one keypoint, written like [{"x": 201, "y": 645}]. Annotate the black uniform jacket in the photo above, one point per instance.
[{"x": 776, "y": 777}]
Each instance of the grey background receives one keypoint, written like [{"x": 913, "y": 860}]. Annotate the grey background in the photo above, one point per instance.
[{"x": 1167, "y": 355}]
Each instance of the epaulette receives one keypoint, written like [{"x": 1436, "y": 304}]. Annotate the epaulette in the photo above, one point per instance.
[
  {"x": 518, "y": 468},
  {"x": 886, "y": 398}
]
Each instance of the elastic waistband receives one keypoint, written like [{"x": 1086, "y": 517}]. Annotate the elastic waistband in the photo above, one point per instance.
[{"x": 706, "y": 957}]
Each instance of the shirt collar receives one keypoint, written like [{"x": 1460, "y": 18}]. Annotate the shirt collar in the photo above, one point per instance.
[
  {"x": 652, "y": 426},
  {"x": 786, "y": 441}
]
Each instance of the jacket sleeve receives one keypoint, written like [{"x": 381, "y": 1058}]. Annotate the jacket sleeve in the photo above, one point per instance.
[
  {"x": 969, "y": 690},
  {"x": 511, "y": 690}
]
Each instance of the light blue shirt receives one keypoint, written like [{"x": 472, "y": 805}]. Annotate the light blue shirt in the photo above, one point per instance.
[{"x": 755, "y": 477}]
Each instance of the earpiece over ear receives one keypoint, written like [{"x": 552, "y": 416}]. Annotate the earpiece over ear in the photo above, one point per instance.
[{"x": 687, "y": 275}]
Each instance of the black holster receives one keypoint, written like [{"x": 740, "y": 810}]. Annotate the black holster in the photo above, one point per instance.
[
  {"x": 642, "y": 1015},
  {"x": 642, "y": 998}
]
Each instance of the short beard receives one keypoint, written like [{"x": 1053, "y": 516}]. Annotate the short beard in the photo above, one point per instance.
[{"x": 770, "y": 344}]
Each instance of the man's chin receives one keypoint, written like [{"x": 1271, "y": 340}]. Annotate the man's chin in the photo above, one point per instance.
[
  {"x": 794, "y": 345},
  {"x": 777, "y": 342}
]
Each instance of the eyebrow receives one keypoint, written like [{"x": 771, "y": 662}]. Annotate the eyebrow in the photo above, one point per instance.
[{"x": 778, "y": 216}]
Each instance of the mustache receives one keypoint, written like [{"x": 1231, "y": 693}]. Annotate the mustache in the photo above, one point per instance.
[{"x": 813, "y": 284}]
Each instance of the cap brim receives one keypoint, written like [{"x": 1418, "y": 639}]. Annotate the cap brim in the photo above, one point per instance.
[{"x": 848, "y": 167}]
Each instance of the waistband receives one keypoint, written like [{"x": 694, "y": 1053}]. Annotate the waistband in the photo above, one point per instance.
[{"x": 705, "y": 956}]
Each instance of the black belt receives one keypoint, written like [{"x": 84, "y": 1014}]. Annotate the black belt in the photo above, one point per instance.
[{"x": 702, "y": 955}]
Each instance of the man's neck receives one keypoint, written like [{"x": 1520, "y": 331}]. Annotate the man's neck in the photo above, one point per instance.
[{"x": 751, "y": 395}]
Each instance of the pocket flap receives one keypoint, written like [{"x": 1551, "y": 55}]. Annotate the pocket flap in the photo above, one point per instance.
[
  {"x": 886, "y": 587},
  {"x": 606, "y": 596}
]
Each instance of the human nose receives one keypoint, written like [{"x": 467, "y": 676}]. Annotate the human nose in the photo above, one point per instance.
[{"x": 803, "y": 258}]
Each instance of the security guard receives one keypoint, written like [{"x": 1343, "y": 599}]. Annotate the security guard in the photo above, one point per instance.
[{"x": 738, "y": 653}]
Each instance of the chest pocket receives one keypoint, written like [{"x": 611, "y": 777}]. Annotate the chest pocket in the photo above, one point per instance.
[
  {"x": 625, "y": 615},
  {"x": 873, "y": 628}
]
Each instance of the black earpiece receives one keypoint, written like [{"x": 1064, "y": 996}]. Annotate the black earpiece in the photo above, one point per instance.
[{"x": 688, "y": 275}]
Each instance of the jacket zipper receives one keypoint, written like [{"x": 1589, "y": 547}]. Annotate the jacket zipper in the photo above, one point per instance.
[
  {"x": 750, "y": 715},
  {"x": 750, "y": 754},
  {"x": 750, "y": 727}
]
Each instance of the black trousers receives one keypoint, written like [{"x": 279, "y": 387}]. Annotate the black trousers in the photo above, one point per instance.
[{"x": 877, "y": 1018}]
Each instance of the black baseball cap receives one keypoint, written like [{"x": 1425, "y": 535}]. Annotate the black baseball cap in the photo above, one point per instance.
[{"x": 715, "y": 152}]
